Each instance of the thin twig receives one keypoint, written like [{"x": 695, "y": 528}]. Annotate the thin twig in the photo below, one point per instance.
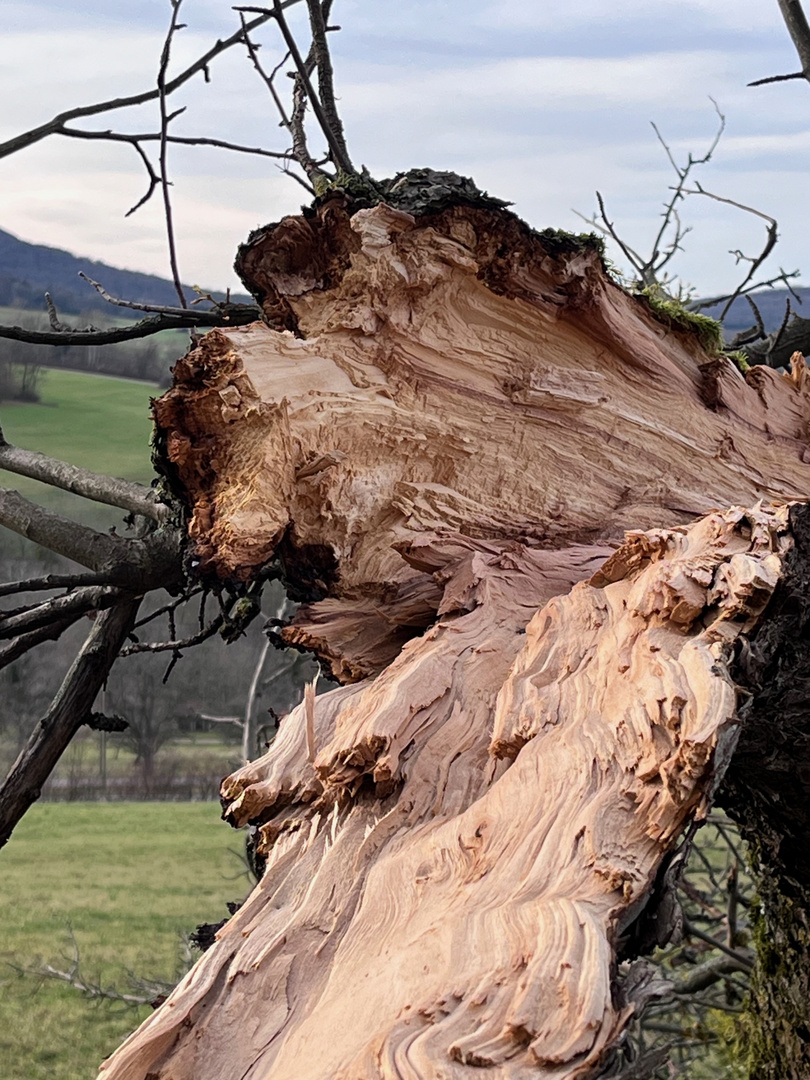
[
  {"x": 78, "y": 602},
  {"x": 269, "y": 80},
  {"x": 200, "y": 65},
  {"x": 168, "y": 607},
  {"x": 174, "y": 646},
  {"x": 719, "y": 824},
  {"x": 300, "y": 180},
  {"x": 651, "y": 269},
  {"x": 163, "y": 155},
  {"x": 756, "y": 262},
  {"x": 52, "y": 581},
  {"x": 25, "y": 642},
  {"x": 635, "y": 260}
]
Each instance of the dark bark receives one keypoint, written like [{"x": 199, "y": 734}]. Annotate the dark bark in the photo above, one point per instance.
[
  {"x": 148, "y": 563},
  {"x": 69, "y": 710},
  {"x": 767, "y": 789},
  {"x": 25, "y": 642},
  {"x": 136, "y": 498},
  {"x": 92, "y": 598}
]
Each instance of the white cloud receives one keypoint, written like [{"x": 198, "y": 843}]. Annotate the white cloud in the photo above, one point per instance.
[
  {"x": 542, "y": 130},
  {"x": 744, "y": 15}
]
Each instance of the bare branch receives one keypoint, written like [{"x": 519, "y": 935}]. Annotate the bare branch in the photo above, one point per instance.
[
  {"x": 177, "y": 140},
  {"x": 708, "y": 973},
  {"x": 25, "y": 642},
  {"x": 799, "y": 30},
  {"x": 773, "y": 343},
  {"x": 68, "y": 711},
  {"x": 145, "y": 991},
  {"x": 668, "y": 239},
  {"x": 223, "y": 315},
  {"x": 340, "y": 159},
  {"x": 158, "y": 309},
  {"x": 200, "y": 65},
  {"x": 294, "y": 123},
  {"x": 79, "y": 602},
  {"x": 140, "y": 565},
  {"x": 84, "y": 545},
  {"x": 175, "y": 646},
  {"x": 51, "y": 581},
  {"x": 756, "y": 262},
  {"x": 300, "y": 180},
  {"x": 782, "y": 278},
  {"x": 795, "y": 337},
  {"x": 755, "y": 333},
  {"x": 651, "y": 269},
  {"x": 777, "y": 78},
  {"x": 53, "y": 318},
  {"x": 154, "y": 179},
  {"x": 103, "y": 489},
  {"x": 181, "y": 140},
  {"x": 164, "y": 131},
  {"x": 746, "y": 964},
  {"x": 319, "y": 11},
  {"x": 269, "y": 80}
]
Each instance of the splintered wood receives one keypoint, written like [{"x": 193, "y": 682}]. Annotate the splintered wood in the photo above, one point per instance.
[
  {"x": 450, "y": 375},
  {"x": 442, "y": 436},
  {"x": 450, "y": 879}
]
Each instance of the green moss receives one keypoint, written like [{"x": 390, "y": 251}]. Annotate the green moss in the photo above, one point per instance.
[
  {"x": 560, "y": 242},
  {"x": 740, "y": 359},
  {"x": 672, "y": 313},
  {"x": 774, "y": 1026}
]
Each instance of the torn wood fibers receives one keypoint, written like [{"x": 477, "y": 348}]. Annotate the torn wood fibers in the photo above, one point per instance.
[{"x": 444, "y": 431}]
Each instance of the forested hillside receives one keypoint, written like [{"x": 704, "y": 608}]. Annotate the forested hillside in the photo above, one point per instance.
[{"x": 27, "y": 271}]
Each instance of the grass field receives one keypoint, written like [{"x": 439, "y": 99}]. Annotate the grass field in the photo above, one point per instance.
[
  {"x": 129, "y": 880},
  {"x": 95, "y": 421}
]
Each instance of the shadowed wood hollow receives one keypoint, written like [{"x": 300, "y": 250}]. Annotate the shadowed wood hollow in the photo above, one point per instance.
[{"x": 506, "y": 493}]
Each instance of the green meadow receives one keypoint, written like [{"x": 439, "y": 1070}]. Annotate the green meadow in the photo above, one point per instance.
[
  {"x": 122, "y": 884},
  {"x": 126, "y": 882},
  {"x": 96, "y": 421}
]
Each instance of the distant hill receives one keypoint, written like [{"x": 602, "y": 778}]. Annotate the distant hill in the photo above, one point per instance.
[
  {"x": 771, "y": 304},
  {"x": 27, "y": 271}
]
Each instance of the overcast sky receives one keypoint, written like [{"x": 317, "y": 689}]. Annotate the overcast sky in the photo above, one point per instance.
[{"x": 542, "y": 103}]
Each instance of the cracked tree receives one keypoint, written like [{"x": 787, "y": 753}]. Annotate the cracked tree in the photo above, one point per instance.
[
  {"x": 554, "y": 550},
  {"x": 554, "y": 547}
]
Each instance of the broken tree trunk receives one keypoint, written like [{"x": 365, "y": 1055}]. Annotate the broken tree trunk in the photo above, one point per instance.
[{"x": 442, "y": 435}]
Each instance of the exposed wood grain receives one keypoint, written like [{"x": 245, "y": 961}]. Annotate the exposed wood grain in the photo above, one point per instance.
[
  {"x": 450, "y": 375},
  {"x": 443, "y": 433},
  {"x": 449, "y": 879}
]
